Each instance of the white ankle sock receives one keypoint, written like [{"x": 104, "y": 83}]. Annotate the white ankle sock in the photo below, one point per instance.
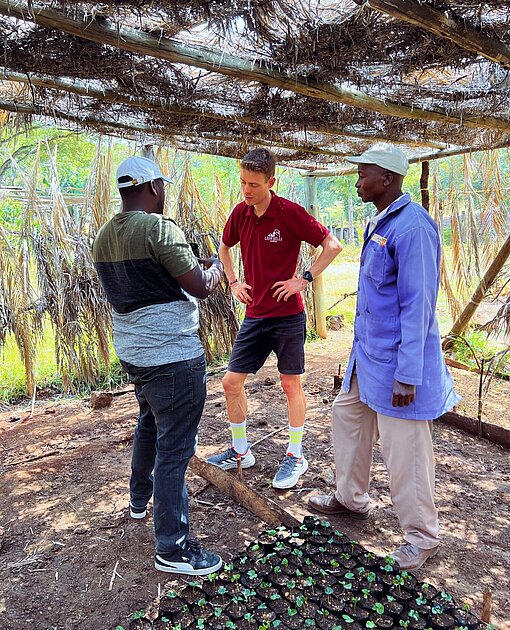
[
  {"x": 295, "y": 441},
  {"x": 239, "y": 440}
]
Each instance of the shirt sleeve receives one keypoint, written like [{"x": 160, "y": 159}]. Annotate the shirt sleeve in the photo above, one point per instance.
[
  {"x": 307, "y": 228},
  {"x": 169, "y": 247},
  {"x": 417, "y": 261},
  {"x": 230, "y": 236}
]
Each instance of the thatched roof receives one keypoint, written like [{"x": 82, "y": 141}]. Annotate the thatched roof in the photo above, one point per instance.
[{"x": 314, "y": 79}]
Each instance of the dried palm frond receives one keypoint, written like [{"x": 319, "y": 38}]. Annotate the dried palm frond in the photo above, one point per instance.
[
  {"x": 437, "y": 215},
  {"x": 495, "y": 210},
  {"x": 98, "y": 190},
  {"x": 218, "y": 322},
  {"x": 501, "y": 321},
  {"x": 460, "y": 269},
  {"x": 472, "y": 242}
]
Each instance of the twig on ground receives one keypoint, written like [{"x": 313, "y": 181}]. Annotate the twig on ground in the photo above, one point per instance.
[
  {"x": 114, "y": 575},
  {"x": 205, "y": 503},
  {"x": 267, "y": 436},
  {"x": 112, "y": 579},
  {"x": 31, "y": 559}
]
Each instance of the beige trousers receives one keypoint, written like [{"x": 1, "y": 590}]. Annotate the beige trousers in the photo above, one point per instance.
[{"x": 407, "y": 450}]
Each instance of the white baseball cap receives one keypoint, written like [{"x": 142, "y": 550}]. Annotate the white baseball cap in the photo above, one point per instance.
[
  {"x": 386, "y": 156},
  {"x": 138, "y": 170}
]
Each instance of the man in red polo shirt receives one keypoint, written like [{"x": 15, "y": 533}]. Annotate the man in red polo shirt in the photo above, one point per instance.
[{"x": 270, "y": 231}]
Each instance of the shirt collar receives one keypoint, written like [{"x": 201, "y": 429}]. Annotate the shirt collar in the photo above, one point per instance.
[
  {"x": 272, "y": 208},
  {"x": 394, "y": 205}
]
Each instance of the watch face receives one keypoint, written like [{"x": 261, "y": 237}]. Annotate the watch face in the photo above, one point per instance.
[{"x": 307, "y": 276}]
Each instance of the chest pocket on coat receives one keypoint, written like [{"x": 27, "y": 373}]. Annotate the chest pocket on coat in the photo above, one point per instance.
[{"x": 374, "y": 263}]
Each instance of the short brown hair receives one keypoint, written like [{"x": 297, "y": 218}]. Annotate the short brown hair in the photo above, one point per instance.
[{"x": 260, "y": 160}]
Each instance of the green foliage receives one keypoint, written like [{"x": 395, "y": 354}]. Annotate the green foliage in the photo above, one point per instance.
[
  {"x": 11, "y": 213},
  {"x": 137, "y": 615},
  {"x": 478, "y": 345},
  {"x": 49, "y": 381}
]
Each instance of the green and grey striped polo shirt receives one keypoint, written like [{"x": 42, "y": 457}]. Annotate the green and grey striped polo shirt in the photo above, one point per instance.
[{"x": 138, "y": 257}]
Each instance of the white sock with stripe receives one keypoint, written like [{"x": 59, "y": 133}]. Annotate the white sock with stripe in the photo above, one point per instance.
[
  {"x": 239, "y": 440},
  {"x": 295, "y": 441}
]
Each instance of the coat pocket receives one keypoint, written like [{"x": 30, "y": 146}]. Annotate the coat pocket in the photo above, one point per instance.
[
  {"x": 374, "y": 263},
  {"x": 382, "y": 338}
]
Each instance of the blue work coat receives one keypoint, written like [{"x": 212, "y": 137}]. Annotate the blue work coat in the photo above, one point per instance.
[{"x": 396, "y": 335}]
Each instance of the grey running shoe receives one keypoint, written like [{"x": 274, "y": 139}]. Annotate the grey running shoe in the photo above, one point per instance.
[
  {"x": 290, "y": 471},
  {"x": 192, "y": 560},
  {"x": 228, "y": 459}
]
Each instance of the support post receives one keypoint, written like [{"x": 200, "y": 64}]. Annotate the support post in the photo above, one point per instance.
[
  {"x": 351, "y": 222},
  {"x": 424, "y": 185},
  {"x": 319, "y": 307}
]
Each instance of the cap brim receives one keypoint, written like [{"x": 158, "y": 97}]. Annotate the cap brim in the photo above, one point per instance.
[
  {"x": 167, "y": 179},
  {"x": 358, "y": 160}
]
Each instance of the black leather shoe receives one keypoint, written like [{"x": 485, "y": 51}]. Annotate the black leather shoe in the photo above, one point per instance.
[{"x": 328, "y": 504}]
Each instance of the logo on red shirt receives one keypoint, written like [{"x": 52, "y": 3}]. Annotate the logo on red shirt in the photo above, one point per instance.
[{"x": 274, "y": 237}]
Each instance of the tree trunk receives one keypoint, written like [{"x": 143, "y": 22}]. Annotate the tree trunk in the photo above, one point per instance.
[
  {"x": 490, "y": 275},
  {"x": 319, "y": 306}
]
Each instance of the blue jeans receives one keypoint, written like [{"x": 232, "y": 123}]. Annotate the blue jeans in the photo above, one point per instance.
[{"x": 171, "y": 399}]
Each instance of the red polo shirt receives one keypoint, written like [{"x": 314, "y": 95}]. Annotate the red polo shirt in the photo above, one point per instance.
[{"x": 270, "y": 247}]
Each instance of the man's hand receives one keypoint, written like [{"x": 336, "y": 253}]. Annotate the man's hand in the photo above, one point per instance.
[
  {"x": 286, "y": 288},
  {"x": 207, "y": 262},
  {"x": 403, "y": 394},
  {"x": 241, "y": 291}
]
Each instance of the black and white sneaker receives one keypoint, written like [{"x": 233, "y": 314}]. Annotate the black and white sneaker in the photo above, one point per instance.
[
  {"x": 135, "y": 512},
  {"x": 192, "y": 560}
]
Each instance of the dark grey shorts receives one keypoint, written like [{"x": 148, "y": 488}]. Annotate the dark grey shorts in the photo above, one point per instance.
[{"x": 258, "y": 337}]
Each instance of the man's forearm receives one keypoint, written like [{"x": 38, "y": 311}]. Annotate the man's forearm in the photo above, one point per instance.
[
  {"x": 330, "y": 250},
  {"x": 213, "y": 276},
  {"x": 226, "y": 260}
]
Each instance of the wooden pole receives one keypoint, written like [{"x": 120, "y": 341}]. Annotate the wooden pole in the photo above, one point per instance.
[
  {"x": 352, "y": 170},
  {"x": 424, "y": 185},
  {"x": 113, "y": 96},
  {"x": 267, "y": 510},
  {"x": 221, "y": 62},
  {"x": 319, "y": 305},
  {"x": 444, "y": 25},
  {"x": 351, "y": 221},
  {"x": 53, "y": 112},
  {"x": 490, "y": 275}
]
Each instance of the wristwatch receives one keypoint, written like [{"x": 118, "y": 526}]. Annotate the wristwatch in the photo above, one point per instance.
[{"x": 307, "y": 275}]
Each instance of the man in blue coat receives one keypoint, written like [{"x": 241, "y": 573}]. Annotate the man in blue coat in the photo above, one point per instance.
[{"x": 396, "y": 381}]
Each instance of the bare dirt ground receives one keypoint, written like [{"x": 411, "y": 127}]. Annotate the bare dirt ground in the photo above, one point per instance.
[{"x": 70, "y": 556}]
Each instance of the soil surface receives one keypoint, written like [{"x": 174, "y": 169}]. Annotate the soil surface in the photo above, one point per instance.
[{"x": 70, "y": 556}]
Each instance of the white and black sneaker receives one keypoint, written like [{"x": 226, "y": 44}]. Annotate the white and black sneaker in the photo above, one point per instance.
[
  {"x": 228, "y": 459},
  {"x": 138, "y": 513},
  {"x": 192, "y": 560}
]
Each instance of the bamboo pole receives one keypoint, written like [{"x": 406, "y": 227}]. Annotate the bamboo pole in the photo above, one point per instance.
[
  {"x": 138, "y": 42},
  {"x": 52, "y": 112},
  {"x": 446, "y": 26},
  {"x": 424, "y": 185},
  {"x": 490, "y": 275},
  {"x": 110, "y": 96},
  {"x": 319, "y": 305},
  {"x": 352, "y": 170}
]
